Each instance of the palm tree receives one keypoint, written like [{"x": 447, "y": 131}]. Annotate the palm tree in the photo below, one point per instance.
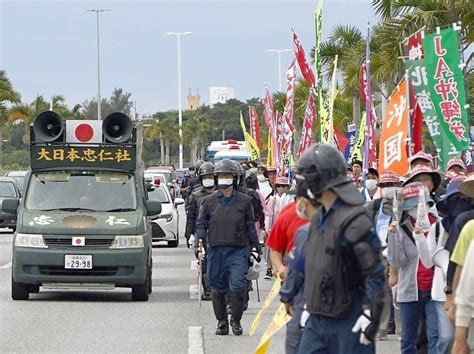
[
  {"x": 195, "y": 133},
  {"x": 7, "y": 95},
  {"x": 26, "y": 113}
]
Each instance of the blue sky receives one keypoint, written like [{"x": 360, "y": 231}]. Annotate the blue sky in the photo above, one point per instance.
[{"x": 49, "y": 47}]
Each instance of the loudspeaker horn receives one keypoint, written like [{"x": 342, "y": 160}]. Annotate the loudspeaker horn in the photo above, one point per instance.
[
  {"x": 48, "y": 127},
  {"x": 117, "y": 128}
]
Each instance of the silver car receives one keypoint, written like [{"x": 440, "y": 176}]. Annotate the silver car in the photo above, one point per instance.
[{"x": 165, "y": 227}]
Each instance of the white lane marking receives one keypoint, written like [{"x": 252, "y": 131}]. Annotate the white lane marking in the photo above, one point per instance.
[
  {"x": 193, "y": 292},
  {"x": 195, "y": 342},
  {"x": 194, "y": 264},
  {"x": 6, "y": 266}
]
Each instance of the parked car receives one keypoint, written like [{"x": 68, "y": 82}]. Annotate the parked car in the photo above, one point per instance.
[
  {"x": 18, "y": 176},
  {"x": 165, "y": 227},
  {"x": 8, "y": 190},
  {"x": 170, "y": 179}
]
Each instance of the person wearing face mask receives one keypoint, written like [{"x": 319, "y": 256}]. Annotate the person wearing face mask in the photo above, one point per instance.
[
  {"x": 343, "y": 285},
  {"x": 291, "y": 292},
  {"x": 206, "y": 177},
  {"x": 227, "y": 223},
  {"x": 411, "y": 249},
  {"x": 371, "y": 191},
  {"x": 381, "y": 210},
  {"x": 426, "y": 175},
  {"x": 273, "y": 210}
]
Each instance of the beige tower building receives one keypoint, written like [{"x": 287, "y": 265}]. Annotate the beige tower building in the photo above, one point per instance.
[{"x": 193, "y": 101}]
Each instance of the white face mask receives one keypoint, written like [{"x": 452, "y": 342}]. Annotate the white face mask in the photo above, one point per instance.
[
  {"x": 208, "y": 183},
  {"x": 261, "y": 178},
  {"x": 371, "y": 184},
  {"x": 389, "y": 192},
  {"x": 225, "y": 183}
]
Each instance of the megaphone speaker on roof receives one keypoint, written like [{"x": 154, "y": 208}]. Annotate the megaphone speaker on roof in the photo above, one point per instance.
[
  {"x": 117, "y": 128},
  {"x": 48, "y": 127}
]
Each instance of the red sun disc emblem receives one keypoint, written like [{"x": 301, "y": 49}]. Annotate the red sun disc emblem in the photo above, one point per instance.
[
  {"x": 78, "y": 241},
  {"x": 84, "y": 132}
]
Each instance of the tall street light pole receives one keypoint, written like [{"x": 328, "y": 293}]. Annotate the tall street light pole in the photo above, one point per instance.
[
  {"x": 180, "y": 113},
  {"x": 279, "y": 51},
  {"x": 98, "y": 11}
]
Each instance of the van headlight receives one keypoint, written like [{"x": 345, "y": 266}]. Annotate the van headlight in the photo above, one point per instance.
[
  {"x": 30, "y": 240},
  {"x": 128, "y": 242}
]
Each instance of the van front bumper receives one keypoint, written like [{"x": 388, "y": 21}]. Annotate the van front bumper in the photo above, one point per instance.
[{"x": 118, "y": 267}]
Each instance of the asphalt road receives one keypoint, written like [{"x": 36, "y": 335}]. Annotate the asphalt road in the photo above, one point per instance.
[{"x": 107, "y": 321}]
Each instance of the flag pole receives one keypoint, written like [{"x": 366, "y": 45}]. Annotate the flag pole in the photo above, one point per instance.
[{"x": 407, "y": 81}]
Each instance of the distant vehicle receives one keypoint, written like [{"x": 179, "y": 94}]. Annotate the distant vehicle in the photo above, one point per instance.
[
  {"x": 180, "y": 174},
  {"x": 18, "y": 176},
  {"x": 8, "y": 190},
  {"x": 165, "y": 227},
  {"x": 169, "y": 176},
  {"x": 232, "y": 154},
  {"x": 217, "y": 146}
]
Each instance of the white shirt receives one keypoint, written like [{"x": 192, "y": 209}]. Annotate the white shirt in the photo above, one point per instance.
[{"x": 465, "y": 291}]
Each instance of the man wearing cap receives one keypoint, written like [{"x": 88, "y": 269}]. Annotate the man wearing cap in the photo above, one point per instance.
[
  {"x": 457, "y": 166},
  {"x": 381, "y": 210},
  {"x": 343, "y": 286},
  {"x": 411, "y": 244},
  {"x": 371, "y": 191},
  {"x": 421, "y": 158}
]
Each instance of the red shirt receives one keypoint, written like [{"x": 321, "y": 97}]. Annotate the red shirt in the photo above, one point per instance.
[
  {"x": 424, "y": 277},
  {"x": 283, "y": 231}
]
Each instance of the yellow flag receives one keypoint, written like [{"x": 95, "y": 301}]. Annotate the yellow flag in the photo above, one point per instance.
[
  {"x": 252, "y": 147},
  {"x": 270, "y": 150},
  {"x": 268, "y": 301},
  {"x": 279, "y": 320},
  {"x": 357, "y": 153}
]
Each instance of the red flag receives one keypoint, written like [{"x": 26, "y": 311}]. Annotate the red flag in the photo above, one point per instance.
[
  {"x": 341, "y": 140},
  {"x": 416, "y": 124},
  {"x": 363, "y": 83},
  {"x": 255, "y": 125},
  {"x": 302, "y": 63},
  {"x": 308, "y": 121}
]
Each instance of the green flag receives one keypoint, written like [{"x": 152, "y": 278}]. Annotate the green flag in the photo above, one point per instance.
[{"x": 446, "y": 85}]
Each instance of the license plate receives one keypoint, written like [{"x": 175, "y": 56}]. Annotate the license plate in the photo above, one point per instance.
[{"x": 77, "y": 262}]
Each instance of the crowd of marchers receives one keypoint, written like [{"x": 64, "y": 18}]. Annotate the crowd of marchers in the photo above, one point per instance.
[{"x": 360, "y": 255}]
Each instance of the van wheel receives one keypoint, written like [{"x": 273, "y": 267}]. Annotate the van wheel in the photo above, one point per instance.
[
  {"x": 140, "y": 292},
  {"x": 20, "y": 291}
]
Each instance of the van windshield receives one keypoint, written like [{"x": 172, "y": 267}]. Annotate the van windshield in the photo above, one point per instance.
[{"x": 81, "y": 190}]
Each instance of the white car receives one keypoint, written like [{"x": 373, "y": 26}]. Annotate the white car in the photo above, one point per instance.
[
  {"x": 166, "y": 177},
  {"x": 165, "y": 227}
]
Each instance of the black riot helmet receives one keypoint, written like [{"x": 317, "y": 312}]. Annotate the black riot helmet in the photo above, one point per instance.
[
  {"x": 226, "y": 166},
  {"x": 207, "y": 168},
  {"x": 322, "y": 167},
  {"x": 198, "y": 165},
  {"x": 241, "y": 175}
]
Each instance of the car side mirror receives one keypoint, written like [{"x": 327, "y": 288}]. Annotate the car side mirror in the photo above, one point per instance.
[
  {"x": 153, "y": 207},
  {"x": 10, "y": 206},
  {"x": 178, "y": 201},
  {"x": 150, "y": 187}
]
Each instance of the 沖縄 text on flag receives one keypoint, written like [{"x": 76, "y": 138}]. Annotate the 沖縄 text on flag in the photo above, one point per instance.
[
  {"x": 392, "y": 149},
  {"x": 446, "y": 85}
]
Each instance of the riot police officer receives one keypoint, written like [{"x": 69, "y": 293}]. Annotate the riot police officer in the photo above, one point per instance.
[
  {"x": 207, "y": 180},
  {"x": 226, "y": 220},
  {"x": 344, "y": 277}
]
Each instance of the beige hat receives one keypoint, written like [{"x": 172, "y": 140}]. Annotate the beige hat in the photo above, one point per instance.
[{"x": 467, "y": 186}]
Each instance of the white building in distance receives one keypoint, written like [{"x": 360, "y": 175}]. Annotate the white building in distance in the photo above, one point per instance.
[{"x": 220, "y": 94}]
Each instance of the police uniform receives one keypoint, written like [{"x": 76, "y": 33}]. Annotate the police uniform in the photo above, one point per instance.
[
  {"x": 344, "y": 277},
  {"x": 195, "y": 201},
  {"x": 228, "y": 224}
]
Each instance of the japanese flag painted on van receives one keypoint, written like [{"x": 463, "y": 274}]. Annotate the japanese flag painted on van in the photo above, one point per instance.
[
  {"x": 84, "y": 131},
  {"x": 393, "y": 138}
]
